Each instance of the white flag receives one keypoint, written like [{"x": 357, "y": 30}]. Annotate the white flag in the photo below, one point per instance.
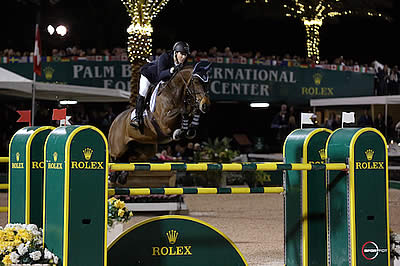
[
  {"x": 348, "y": 117},
  {"x": 37, "y": 62},
  {"x": 306, "y": 119},
  {"x": 65, "y": 122}
]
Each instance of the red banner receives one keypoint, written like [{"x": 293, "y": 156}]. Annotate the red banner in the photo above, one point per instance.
[
  {"x": 25, "y": 116},
  {"x": 59, "y": 114}
]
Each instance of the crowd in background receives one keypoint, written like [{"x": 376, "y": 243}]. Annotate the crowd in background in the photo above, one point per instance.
[
  {"x": 387, "y": 79},
  {"x": 69, "y": 51},
  {"x": 212, "y": 52}
]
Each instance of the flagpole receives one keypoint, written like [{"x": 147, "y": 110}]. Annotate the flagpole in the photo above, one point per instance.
[
  {"x": 33, "y": 98},
  {"x": 34, "y": 86}
]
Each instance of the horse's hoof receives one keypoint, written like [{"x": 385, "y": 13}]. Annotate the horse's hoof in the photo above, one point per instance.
[
  {"x": 177, "y": 134},
  {"x": 123, "y": 177},
  {"x": 191, "y": 133}
]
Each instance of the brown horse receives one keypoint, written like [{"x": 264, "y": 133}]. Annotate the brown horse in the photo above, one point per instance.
[{"x": 178, "y": 101}]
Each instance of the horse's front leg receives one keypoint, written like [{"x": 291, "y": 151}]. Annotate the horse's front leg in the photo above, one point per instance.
[
  {"x": 182, "y": 131},
  {"x": 194, "y": 125}
]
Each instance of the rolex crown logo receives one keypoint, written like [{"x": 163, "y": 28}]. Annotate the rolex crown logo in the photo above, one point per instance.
[
  {"x": 87, "y": 152},
  {"x": 17, "y": 155},
  {"x": 172, "y": 235},
  {"x": 55, "y": 155},
  {"x": 48, "y": 72},
  {"x": 317, "y": 78},
  {"x": 370, "y": 154},
  {"x": 322, "y": 154}
]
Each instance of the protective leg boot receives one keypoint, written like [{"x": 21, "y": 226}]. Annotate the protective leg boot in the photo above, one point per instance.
[{"x": 140, "y": 105}]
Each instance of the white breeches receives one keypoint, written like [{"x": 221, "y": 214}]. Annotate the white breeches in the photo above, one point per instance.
[{"x": 144, "y": 85}]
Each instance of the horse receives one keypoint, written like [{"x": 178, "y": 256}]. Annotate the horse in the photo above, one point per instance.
[{"x": 180, "y": 100}]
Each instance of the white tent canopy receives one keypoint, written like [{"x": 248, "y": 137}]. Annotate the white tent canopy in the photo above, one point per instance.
[
  {"x": 365, "y": 100},
  {"x": 12, "y": 84}
]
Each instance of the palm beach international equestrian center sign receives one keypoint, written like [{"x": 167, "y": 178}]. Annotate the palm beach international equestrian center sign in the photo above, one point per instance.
[{"x": 228, "y": 82}]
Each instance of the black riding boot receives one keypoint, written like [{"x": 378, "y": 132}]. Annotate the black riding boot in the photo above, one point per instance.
[{"x": 140, "y": 105}]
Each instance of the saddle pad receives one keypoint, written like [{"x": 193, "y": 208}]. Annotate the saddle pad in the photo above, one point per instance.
[{"x": 152, "y": 102}]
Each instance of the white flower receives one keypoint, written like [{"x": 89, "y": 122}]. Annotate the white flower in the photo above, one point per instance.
[
  {"x": 47, "y": 254},
  {"x": 14, "y": 257},
  {"x": 55, "y": 259},
  {"x": 22, "y": 249},
  {"x": 35, "y": 255},
  {"x": 14, "y": 226},
  {"x": 31, "y": 227}
]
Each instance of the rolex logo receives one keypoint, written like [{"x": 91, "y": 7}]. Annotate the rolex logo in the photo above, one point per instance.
[
  {"x": 317, "y": 78},
  {"x": 87, "y": 152},
  {"x": 55, "y": 155},
  {"x": 172, "y": 235},
  {"x": 48, "y": 72},
  {"x": 17, "y": 155},
  {"x": 322, "y": 154},
  {"x": 370, "y": 154}
]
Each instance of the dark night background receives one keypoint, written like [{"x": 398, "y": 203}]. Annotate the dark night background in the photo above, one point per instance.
[{"x": 206, "y": 23}]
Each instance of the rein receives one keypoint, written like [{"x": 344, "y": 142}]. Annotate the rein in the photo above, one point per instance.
[{"x": 188, "y": 92}]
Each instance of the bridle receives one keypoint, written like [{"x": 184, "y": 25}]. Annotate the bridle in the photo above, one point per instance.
[{"x": 190, "y": 95}]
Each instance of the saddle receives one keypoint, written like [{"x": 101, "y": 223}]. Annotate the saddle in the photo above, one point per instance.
[{"x": 149, "y": 110}]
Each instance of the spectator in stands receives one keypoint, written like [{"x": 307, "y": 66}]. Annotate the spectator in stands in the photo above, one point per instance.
[
  {"x": 179, "y": 151},
  {"x": 332, "y": 122},
  {"x": 227, "y": 52},
  {"x": 365, "y": 119},
  {"x": 197, "y": 147},
  {"x": 292, "y": 119},
  {"x": 212, "y": 52},
  {"x": 280, "y": 122},
  {"x": 379, "y": 123},
  {"x": 164, "y": 156},
  {"x": 108, "y": 118},
  {"x": 188, "y": 154},
  {"x": 383, "y": 79},
  {"x": 394, "y": 79}
]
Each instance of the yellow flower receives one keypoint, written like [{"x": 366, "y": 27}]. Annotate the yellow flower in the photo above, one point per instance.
[
  {"x": 111, "y": 199},
  {"x": 130, "y": 214},
  {"x": 119, "y": 204},
  {"x": 121, "y": 212},
  {"x": 6, "y": 260},
  {"x": 23, "y": 233},
  {"x": 10, "y": 235}
]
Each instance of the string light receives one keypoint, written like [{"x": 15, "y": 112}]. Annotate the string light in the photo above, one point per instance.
[
  {"x": 142, "y": 13},
  {"x": 313, "y": 14}
]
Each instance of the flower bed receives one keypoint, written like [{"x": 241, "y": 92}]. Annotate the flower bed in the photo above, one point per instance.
[{"x": 22, "y": 244}]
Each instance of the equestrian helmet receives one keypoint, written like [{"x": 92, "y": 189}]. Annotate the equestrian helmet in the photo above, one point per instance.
[{"x": 182, "y": 47}]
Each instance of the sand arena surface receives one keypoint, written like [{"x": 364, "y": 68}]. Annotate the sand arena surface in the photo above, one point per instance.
[{"x": 253, "y": 222}]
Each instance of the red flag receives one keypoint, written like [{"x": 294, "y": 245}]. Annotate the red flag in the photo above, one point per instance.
[
  {"x": 59, "y": 114},
  {"x": 37, "y": 62},
  {"x": 25, "y": 116}
]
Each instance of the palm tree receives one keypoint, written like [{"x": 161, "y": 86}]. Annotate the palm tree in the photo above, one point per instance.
[
  {"x": 142, "y": 13},
  {"x": 313, "y": 13}
]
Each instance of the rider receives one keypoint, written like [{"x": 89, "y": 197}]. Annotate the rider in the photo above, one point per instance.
[{"x": 158, "y": 70}]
